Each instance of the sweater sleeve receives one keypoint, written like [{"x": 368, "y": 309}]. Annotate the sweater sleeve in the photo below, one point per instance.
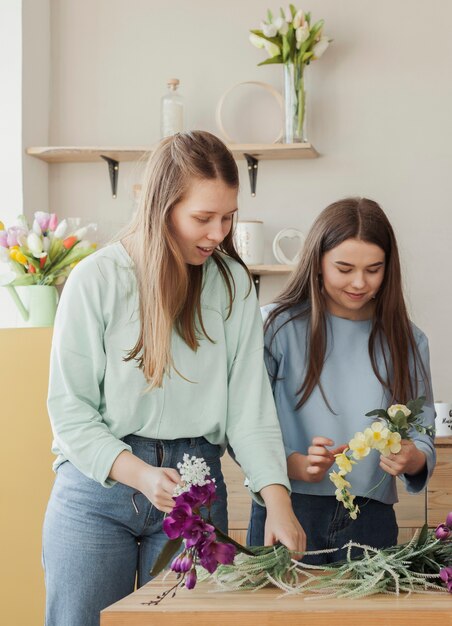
[
  {"x": 425, "y": 443},
  {"x": 77, "y": 367},
  {"x": 252, "y": 425}
]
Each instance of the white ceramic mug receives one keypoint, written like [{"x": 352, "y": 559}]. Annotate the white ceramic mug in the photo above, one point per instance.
[
  {"x": 249, "y": 241},
  {"x": 288, "y": 233},
  {"x": 443, "y": 421}
]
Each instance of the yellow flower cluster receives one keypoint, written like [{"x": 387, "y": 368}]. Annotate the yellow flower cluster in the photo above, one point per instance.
[{"x": 376, "y": 437}]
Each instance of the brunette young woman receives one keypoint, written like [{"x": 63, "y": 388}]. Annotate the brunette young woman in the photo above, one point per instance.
[
  {"x": 339, "y": 343},
  {"x": 157, "y": 351}
]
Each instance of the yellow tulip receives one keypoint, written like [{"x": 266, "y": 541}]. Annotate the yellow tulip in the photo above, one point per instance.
[
  {"x": 2, "y": 226},
  {"x": 17, "y": 256}
]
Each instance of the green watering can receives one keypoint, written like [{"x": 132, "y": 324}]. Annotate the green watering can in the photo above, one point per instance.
[{"x": 36, "y": 303}]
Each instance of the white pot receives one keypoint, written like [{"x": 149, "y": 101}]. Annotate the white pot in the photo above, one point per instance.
[{"x": 249, "y": 241}]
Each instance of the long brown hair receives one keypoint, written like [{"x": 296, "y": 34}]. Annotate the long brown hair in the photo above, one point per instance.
[
  {"x": 353, "y": 218},
  {"x": 170, "y": 289}
]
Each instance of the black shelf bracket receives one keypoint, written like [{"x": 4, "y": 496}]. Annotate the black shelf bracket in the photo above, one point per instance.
[
  {"x": 113, "y": 170},
  {"x": 257, "y": 283},
  {"x": 252, "y": 171}
]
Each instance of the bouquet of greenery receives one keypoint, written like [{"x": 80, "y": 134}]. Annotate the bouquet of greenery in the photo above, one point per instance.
[{"x": 43, "y": 254}]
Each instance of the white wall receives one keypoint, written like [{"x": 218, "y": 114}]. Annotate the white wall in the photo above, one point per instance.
[
  {"x": 380, "y": 103},
  {"x": 24, "y": 114}
]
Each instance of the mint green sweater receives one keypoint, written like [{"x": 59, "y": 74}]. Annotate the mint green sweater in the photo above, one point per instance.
[{"x": 96, "y": 399}]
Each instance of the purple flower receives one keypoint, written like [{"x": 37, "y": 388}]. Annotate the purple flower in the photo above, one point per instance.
[
  {"x": 449, "y": 520},
  {"x": 446, "y": 576},
  {"x": 174, "y": 523},
  {"x": 3, "y": 238},
  {"x": 205, "y": 494},
  {"x": 198, "y": 496},
  {"x": 212, "y": 552},
  {"x": 195, "y": 530},
  {"x": 442, "y": 532},
  {"x": 12, "y": 235},
  {"x": 182, "y": 563},
  {"x": 190, "y": 579}
]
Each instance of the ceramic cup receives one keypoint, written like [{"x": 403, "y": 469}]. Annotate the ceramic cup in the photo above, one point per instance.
[
  {"x": 291, "y": 234},
  {"x": 249, "y": 241},
  {"x": 443, "y": 421}
]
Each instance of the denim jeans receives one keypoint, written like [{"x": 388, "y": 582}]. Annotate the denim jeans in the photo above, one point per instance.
[
  {"x": 95, "y": 545},
  {"x": 327, "y": 524}
]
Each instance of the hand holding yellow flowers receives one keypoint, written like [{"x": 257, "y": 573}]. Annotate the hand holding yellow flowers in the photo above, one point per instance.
[{"x": 389, "y": 435}]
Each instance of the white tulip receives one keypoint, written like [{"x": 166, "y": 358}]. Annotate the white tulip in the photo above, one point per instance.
[
  {"x": 82, "y": 245},
  {"x": 281, "y": 25},
  {"x": 302, "y": 33},
  {"x": 298, "y": 20},
  {"x": 257, "y": 41},
  {"x": 320, "y": 47},
  {"x": 35, "y": 244},
  {"x": 269, "y": 30},
  {"x": 36, "y": 228},
  {"x": 46, "y": 244},
  {"x": 61, "y": 229},
  {"x": 272, "y": 49},
  {"x": 81, "y": 232}
]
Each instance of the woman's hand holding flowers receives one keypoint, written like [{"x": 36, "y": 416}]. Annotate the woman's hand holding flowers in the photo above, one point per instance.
[{"x": 409, "y": 460}]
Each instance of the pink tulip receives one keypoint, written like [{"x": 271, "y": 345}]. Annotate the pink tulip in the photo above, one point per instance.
[
  {"x": 442, "y": 532},
  {"x": 3, "y": 238},
  {"x": 53, "y": 222}
]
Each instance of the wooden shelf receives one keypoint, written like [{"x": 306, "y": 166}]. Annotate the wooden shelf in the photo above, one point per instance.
[
  {"x": 87, "y": 154},
  {"x": 268, "y": 270}
]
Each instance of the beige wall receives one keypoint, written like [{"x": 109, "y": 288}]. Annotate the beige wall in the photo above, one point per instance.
[{"x": 380, "y": 103}]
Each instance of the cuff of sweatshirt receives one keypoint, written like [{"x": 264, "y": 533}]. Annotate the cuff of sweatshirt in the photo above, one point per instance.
[
  {"x": 255, "y": 493},
  {"x": 107, "y": 457},
  {"x": 415, "y": 484}
]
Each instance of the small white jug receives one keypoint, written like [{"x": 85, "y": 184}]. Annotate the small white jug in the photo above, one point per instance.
[{"x": 249, "y": 241}]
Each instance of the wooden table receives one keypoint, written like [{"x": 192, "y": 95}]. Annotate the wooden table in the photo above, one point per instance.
[{"x": 203, "y": 606}]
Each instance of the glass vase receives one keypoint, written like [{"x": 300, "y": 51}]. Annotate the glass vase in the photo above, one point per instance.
[{"x": 294, "y": 103}]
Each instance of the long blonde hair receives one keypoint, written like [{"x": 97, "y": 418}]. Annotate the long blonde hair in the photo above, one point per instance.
[{"x": 169, "y": 289}]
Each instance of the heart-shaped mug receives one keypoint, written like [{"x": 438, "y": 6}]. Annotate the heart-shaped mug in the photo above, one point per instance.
[{"x": 287, "y": 233}]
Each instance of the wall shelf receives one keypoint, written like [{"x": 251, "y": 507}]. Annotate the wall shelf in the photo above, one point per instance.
[
  {"x": 89, "y": 154},
  {"x": 113, "y": 155},
  {"x": 268, "y": 270}
]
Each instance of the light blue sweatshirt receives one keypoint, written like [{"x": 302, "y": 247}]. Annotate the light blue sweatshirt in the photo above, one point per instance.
[
  {"x": 352, "y": 390},
  {"x": 95, "y": 398}
]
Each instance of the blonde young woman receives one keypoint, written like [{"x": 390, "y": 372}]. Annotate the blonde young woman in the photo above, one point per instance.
[{"x": 157, "y": 351}]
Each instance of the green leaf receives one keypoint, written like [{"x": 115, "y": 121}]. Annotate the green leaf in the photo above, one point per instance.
[
  {"x": 285, "y": 50},
  {"x": 269, "y": 16},
  {"x": 221, "y": 536},
  {"x": 259, "y": 33},
  {"x": 272, "y": 60},
  {"x": 415, "y": 406},
  {"x": 422, "y": 536},
  {"x": 306, "y": 56},
  {"x": 293, "y": 10},
  {"x": 169, "y": 550},
  {"x": 317, "y": 26},
  {"x": 308, "y": 17},
  {"x": 378, "y": 413}
]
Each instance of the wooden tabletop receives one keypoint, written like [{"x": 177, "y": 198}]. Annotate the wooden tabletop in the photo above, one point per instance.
[{"x": 205, "y": 606}]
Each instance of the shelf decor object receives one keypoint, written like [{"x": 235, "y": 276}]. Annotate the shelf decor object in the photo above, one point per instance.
[
  {"x": 252, "y": 152},
  {"x": 290, "y": 39}
]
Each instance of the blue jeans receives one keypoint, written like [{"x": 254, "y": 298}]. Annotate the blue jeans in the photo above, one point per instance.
[
  {"x": 95, "y": 545},
  {"x": 327, "y": 525}
]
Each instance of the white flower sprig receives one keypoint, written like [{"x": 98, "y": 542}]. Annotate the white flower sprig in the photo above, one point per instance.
[{"x": 194, "y": 471}]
